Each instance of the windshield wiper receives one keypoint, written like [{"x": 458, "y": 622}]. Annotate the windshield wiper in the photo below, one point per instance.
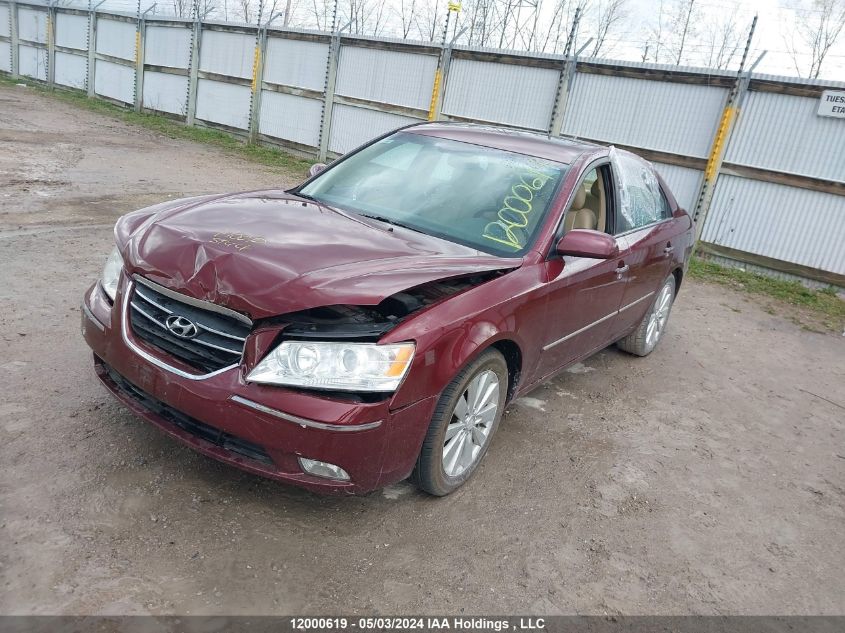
[
  {"x": 299, "y": 194},
  {"x": 380, "y": 218}
]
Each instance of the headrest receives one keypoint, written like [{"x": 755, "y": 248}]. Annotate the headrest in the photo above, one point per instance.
[
  {"x": 596, "y": 188},
  {"x": 580, "y": 198}
]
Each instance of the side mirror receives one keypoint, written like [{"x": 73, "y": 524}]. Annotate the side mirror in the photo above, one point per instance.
[
  {"x": 587, "y": 243},
  {"x": 315, "y": 169}
]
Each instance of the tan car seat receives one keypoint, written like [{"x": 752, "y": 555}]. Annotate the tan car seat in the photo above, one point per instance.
[{"x": 579, "y": 216}]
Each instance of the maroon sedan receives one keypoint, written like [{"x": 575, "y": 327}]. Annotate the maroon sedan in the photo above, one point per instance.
[{"x": 373, "y": 323}]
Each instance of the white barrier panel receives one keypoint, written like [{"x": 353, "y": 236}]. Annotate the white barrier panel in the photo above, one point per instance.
[
  {"x": 661, "y": 115},
  {"x": 167, "y": 46},
  {"x": 296, "y": 63},
  {"x": 501, "y": 93},
  {"x": 353, "y": 126},
  {"x": 115, "y": 81},
  {"x": 393, "y": 77},
  {"x": 290, "y": 117},
  {"x": 32, "y": 62},
  {"x": 32, "y": 25},
  {"x": 164, "y": 92},
  {"x": 72, "y": 31},
  {"x": 6, "y": 56},
  {"x": 223, "y": 103},
  {"x": 5, "y": 24},
  {"x": 683, "y": 181},
  {"x": 774, "y": 221},
  {"x": 71, "y": 70},
  {"x": 784, "y": 133},
  {"x": 230, "y": 54},
  {"x": 116, "y": 38}
]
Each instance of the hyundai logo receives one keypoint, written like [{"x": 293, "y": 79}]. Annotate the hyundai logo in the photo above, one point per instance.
[{"x": 181, "y": 327}]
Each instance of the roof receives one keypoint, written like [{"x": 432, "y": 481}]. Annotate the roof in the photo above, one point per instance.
[{"x": 563, "y": 150}]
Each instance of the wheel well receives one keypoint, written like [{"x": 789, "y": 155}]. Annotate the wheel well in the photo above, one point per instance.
[
  {"x": 513, "y": 357},
  {"x": 679, "y": 275}
]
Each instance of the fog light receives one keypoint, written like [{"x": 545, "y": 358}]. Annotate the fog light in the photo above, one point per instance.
[{"x": 323, "y": 469}]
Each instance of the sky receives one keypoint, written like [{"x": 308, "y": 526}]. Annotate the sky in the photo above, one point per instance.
[{"x": 775, "y": 21}]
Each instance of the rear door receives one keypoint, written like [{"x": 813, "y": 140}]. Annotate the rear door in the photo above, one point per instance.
[{"x": 644, "y": 221}]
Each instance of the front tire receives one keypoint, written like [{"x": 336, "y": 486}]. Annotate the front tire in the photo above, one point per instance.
[
  {"x": 645, "y": 338},
  {"x": 463, "y": 424}
]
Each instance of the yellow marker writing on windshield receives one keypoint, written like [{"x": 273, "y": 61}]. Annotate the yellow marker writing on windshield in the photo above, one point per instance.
[{"x": 516, "y": 207}]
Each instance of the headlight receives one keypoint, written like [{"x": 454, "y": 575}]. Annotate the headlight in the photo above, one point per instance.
[
  {"x": 337, "y": 366},
  {"x": 111, "y": 273}
]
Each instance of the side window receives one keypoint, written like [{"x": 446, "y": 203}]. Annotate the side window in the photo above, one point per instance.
[
  {"x": 588, "y": 209},
  {"x": 640, "y": 200},
  {"x": 667, "y": 210}
]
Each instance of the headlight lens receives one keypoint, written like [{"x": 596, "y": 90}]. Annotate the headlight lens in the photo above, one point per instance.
[
  {"x": 111, "y": 273},
  {"x": 336, "y": 366}
]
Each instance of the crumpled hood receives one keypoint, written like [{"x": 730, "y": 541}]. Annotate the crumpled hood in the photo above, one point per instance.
[{"x": 268, "y": 253}]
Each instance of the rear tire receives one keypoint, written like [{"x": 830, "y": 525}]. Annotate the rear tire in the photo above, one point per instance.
[
  {"x": 463, "y": 425},
  {"x": 643, "y": 340}
]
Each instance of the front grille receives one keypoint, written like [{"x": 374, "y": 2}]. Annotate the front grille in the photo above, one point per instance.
[
  {"x": 218, "y": 343},
  {"x": 193, "y": 426}
]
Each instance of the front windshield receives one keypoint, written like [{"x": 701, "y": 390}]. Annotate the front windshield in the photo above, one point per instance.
[{"x": 485, "y": 198}]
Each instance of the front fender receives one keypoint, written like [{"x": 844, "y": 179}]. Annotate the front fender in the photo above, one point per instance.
[{"x": 450, "y": 335}]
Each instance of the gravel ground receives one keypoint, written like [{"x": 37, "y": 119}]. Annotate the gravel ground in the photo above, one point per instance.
[{"x": 707, "y": 478}]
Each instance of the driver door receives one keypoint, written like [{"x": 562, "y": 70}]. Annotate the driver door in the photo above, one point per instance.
[{"x": 584, "y": 294}]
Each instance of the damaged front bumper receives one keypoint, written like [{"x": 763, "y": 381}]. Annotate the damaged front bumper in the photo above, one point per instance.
[{"x": 261, "y": 429}]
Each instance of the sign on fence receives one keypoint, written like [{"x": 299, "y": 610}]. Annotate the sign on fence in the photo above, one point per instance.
[{"x": 832, "y": 104}]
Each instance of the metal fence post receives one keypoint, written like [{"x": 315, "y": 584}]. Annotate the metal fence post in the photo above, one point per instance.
[
  {"x": 13, "y": 25},
  {"x": 51, "y": 45},
  {"x": 140, "y": 43},
  {"x": 328, "y": 103},
  {"x": 92, "y": 49},
  {"x": 257, "y": 83},
  {"x": 561, "y": 97},
  {"x": 193, "y": 72},
  {"x": 723, "y": 133},
  {"x": 441, "y": 77},
  {"x": 565, "y": 79}
]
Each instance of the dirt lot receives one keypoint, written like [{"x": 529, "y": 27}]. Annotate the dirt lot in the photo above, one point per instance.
[{"x": 706, "y": 478}]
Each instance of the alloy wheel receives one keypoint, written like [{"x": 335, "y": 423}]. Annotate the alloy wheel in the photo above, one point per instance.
[
  {"x": 471, "y": 423},
  {"x": 659, "y": 315}
]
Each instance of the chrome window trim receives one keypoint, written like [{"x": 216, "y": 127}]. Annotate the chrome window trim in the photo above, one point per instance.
[
  {"x": 124, "y": 329},
  {"x": 643, "y": 227},
  {"x": 633, "y": 303},
  {"x": 197, "y": 303},
  {"x": 597, "y": 322},
  {"x": 304, "y": 422},
  {"x": 582, "y": 330}
]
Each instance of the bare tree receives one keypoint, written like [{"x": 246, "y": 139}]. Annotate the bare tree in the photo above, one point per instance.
[
  {"x": 657, "y": 33},
  {"x": 722, "y": 40},
  {"x": 183, "y": 8},
  {"x": 684, "y": 15},
  {"x": 609, "y": 16},
  {"x": 320, "y": 14},
  {"x": 554, "y": 37},
  {"x": 428, "y": 21},
  {"x": 817, "y": 27},
  {"x": 407, "y": 16},
  {"x": 244, "y": 11}
]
